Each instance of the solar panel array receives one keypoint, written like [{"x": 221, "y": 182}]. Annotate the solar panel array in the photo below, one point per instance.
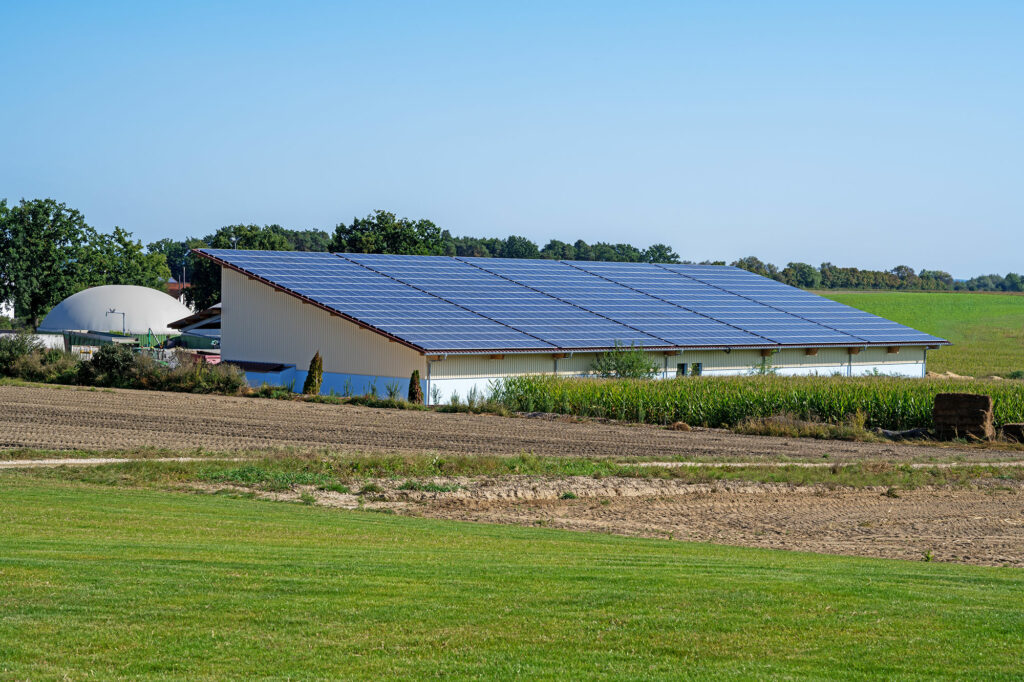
[
  {"x": 555, "y": 322},
  {"x": 804, "y": 304},
  {"x": 675, "y": 325},
  {"x": 392, "y": 307},
  {"x": 773, "y": 325},
  {"x": 441, "y": 304}
]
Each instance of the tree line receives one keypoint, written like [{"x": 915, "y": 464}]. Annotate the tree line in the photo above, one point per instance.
[{"x": 48, "y": 252}]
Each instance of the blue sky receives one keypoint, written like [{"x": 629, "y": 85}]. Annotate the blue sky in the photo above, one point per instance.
[{"x": 868, "y": 134}]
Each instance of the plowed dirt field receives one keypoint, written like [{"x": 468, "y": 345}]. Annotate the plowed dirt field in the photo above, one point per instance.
[{"x": 81, "y": 419}]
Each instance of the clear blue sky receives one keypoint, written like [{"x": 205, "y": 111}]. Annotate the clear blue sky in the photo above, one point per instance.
[{"x": 863, "y": 133}]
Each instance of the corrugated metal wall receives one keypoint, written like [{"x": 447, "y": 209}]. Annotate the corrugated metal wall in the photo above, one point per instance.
[{"x": 263, "y": 325}]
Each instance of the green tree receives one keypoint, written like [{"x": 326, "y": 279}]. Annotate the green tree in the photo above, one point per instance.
[
  {"x": 178, "y": 256},
  {"x": 304, "y": 240},
  {"x": 205, "y": 289},
  {"x": 801, "y": 275},
  {"x": 625, "y": 362},
  {"x": 42, "y": 255},
  {"x": 116, "y": 258},
  {"x": 415, "y": 390},
  {"x": 470, "y": 247},
  {"x": 660, "y": 253},
  {"x": 936, "y": 279},
  {"x": 757, "y": 266},
  {"x": 14, "y": 347},
  {"x": 519, "y": 247},
  {"x": 558, "y": 250},
  {"x": 583, "y": 250},
  {"x": 383, "y": 232},
  {"x": 315, "y": 376}
]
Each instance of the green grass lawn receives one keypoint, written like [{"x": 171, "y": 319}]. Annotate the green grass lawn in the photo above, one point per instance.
[
  {"x": 987, "y": 330},
  {"x": 112, "y": 582}
]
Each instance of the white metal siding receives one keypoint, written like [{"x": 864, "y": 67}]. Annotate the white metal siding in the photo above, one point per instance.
[{"x": 741, "y": 361}]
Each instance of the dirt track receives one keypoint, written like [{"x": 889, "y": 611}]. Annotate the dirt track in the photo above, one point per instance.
[{"x": 71, "y": 418}]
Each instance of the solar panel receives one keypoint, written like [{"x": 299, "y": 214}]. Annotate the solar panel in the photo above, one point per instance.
[
  {"x": 773, "y": 325},
  {"x": 554, "y": 321},
  {"x": 804, "y": 304},
  {"x": 443, "y": 304},
  {"x": 395, "y": 308},
  {"x": 676, "y": 325}
]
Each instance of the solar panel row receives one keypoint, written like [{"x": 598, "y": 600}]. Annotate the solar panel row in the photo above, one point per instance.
[{"x": 466, "y": 304}]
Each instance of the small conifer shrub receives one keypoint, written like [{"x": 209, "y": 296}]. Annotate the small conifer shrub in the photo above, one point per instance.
[
  {"x": 415, "y": 391},
  {"x": 315, "y": 376}
]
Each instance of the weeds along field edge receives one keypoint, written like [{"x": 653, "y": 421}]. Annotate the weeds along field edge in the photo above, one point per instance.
[{"x": 884, "y": 402}]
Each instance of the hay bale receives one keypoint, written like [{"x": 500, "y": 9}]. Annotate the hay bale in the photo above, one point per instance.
[
  {"x": 1014, "y": 432},
  {"x": 963, "y": 415}
]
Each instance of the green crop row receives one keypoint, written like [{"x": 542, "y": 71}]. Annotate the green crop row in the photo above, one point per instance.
[{"x": 885, "y": 402}]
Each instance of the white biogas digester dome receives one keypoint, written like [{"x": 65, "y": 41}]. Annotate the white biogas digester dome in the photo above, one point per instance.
[{"x": 144, "y": 309}]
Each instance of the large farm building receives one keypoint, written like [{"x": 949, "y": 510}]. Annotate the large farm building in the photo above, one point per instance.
[{"x": 463, "y": 322}]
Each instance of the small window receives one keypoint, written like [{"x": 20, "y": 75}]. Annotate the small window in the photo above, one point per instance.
[
  {"x": 696, "y": 369},
  {"x": 681, "y": 369}
]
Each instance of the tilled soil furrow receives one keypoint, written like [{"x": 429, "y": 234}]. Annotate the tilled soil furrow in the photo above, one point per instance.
[{"x": 66, "y": 418}]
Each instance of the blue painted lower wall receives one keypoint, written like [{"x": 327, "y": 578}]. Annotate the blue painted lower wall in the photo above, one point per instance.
[{"x": 333, "y": 382}]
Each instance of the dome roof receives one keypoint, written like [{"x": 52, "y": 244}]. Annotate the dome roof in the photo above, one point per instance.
[{"x": 144, "y": 309}]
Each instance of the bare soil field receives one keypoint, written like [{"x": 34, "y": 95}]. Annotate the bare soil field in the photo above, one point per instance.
[
  {"x": 981, "y": 525},
  {"x": 69, "y": 418}
]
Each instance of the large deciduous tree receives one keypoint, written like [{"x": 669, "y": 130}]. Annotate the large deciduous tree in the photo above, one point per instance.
[
  {"x": 801, "y": 275},
  {"x": 383, "y": 232},
  {"x": 519, "y": 247},
  {"x": 116, "y": 258},
  {"x": 42, "y": 244},
  {"x": 660, "y": 253},
  {"x": 48, "y": 252}
]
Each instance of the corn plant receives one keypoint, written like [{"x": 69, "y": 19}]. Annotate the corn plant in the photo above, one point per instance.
[{"x": 886, "y": 402}]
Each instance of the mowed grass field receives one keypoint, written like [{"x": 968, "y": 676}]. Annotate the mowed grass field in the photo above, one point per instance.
[
  {"x": 987, "y": 330},
  {"x": 111, "y": 582}
]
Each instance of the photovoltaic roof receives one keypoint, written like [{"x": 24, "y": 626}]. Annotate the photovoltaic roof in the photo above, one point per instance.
[{"x": 442, "y": 304}]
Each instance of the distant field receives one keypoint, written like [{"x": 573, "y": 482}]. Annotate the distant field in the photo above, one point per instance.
[
  {"x": 987, "y": 330},
  {"x": 103, "y": 582}
]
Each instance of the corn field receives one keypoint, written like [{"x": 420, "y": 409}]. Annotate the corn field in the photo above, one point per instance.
[{"x": 888, "y": 403}]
